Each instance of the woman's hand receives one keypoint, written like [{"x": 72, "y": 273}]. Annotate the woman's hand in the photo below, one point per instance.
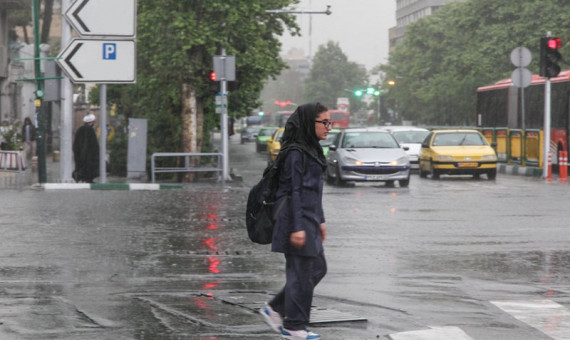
[{"x": 298, "y": 239}]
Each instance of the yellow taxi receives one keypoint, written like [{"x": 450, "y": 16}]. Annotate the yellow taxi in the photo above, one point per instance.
[
  {"x": 457, "y": 152},
  {"x": 274, "y": 145}
]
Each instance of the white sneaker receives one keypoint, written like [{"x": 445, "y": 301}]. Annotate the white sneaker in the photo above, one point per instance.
[
  {"x": 300, "y": 334},
  {"x": 272, "y": 318}
]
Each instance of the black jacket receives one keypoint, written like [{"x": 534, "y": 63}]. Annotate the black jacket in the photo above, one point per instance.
[{"x": 301, "y": 186}]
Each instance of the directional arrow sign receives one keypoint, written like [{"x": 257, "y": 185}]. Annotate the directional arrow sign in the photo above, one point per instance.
[
  {"x": 103, "y": 17},
  {"x": 99, "y": 61}
]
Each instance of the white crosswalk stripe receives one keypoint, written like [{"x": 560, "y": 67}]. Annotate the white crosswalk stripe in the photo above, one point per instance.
[
  {"x": 547, "y": 316},
  {"x": 434, "y": 333}
]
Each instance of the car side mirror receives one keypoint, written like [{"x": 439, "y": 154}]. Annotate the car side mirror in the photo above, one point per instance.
[
  {"x": 406, "y": 148},
  {"x": 332, "y": 147},
  {"x": 425, "y": 146},
  {"x": 494, "y": 144}
]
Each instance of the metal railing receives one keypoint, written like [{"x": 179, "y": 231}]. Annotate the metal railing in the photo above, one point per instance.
[
  {"x": 13, "y": 161},
  {"x": 186, "y": 167}
]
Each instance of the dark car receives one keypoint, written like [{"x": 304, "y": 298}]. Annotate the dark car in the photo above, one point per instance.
[{"x": 249, "y": 134}]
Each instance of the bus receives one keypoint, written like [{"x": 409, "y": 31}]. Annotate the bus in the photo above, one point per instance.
[
  {"x": 280, "y": 118},
  {"x": 499, "y": 105},
  {"x": 341, "y": 119}
]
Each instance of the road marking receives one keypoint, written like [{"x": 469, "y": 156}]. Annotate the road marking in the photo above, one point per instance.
[
  {"x": 435, "y": 333},
  {"x": 547, "y": 316}
]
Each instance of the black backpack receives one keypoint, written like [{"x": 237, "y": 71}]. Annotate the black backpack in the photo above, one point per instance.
[{"x": 259, "y": 217}]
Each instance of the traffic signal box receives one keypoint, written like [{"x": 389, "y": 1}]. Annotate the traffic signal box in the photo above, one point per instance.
[{"x": 549, "y": 57}]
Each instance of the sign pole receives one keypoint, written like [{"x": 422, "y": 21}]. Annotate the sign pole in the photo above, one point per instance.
[
  {"x": 66, "y": 127},
  {"x": 224, "y": 118}
]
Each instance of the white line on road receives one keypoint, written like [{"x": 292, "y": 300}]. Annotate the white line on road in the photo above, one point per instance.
[
  {"x": 435, "y": 333},
  {"x": 547, "y": 316}
]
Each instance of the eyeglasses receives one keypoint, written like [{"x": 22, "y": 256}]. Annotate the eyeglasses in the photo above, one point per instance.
[{"x": 326, "y": 123}]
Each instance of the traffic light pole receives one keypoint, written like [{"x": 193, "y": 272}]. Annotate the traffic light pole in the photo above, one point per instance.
[{"x": 546, "y": 146}]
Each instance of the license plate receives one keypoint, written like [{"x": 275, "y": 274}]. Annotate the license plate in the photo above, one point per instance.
[
  {"x": 374, "y": 178},
  {"x": 468, "y": 165}
]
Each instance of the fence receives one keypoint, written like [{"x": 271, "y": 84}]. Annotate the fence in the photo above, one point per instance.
[
  {"x": 515, "y": 146},
  {"x": 186, "y": 166},
  {"x": 13, "y": 161}
]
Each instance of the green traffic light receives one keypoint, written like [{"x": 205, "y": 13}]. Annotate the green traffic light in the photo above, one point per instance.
[
  {"x": 370, "y": 90},
  {"x": 358, "y": 93}
]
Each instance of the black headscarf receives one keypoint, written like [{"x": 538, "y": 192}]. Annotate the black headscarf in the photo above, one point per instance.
[{"x": 300, "y": 132}]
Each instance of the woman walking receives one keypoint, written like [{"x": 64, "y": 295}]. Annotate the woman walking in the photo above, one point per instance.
[{"x": 300, "y": 226}]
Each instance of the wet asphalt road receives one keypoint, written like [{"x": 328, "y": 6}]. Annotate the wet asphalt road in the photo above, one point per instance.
[{"x": 176, "y": 264}]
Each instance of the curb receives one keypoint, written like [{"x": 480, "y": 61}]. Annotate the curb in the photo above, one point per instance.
[
  {"x": 518, "y": 170},
  {"x": 109, "y": 186}
]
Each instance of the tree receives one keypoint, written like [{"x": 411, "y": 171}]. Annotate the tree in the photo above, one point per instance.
[
  {"x": 176, "y": 41},
  {"x": 332, "y": 75},
  {"x": 464, "y": 45}
]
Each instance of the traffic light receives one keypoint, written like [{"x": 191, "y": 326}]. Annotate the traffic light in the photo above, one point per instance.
[
  {"x": 213, "y": 85},
  {"x": 358, "y": 93},
  {"x": 549, "y": 57}
]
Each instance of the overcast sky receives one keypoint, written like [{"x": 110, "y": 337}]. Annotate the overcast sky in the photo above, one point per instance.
[{"x": 359, "y": 26}]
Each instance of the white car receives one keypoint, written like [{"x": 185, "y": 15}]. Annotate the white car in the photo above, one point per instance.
[
  {"x": 410, "y": 137},
  {"x": 367, "y": 155}
]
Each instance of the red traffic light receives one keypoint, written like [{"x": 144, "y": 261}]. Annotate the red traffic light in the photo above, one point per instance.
[
  {"x": 554, "y": 43},
  {"x": 213, "y": 76}
]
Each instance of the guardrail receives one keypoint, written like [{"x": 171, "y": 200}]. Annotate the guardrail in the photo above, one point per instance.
[
  {"x": 516, "y": 146},
  {"x": 187, "y": 164},
  {"x": 13, "y": 161}
]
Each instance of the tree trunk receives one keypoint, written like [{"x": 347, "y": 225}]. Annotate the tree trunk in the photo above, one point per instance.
[
  {"x": 47, "y": 18},
  {"x": 192, "y": 125}
]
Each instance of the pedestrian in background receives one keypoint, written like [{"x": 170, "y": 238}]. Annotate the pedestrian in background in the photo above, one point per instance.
[
  {"x": 86, "y": 151},
  {"x": 29, "y": 136},
  {"x": 300, "y": 225}
]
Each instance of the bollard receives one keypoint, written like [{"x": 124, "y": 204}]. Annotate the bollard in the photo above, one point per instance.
[
  {"x": 563, "y": 166},
  {"x": 549, "y": 175}
]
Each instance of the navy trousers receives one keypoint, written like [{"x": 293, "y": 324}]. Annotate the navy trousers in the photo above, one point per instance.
[{"x": 294, "y": 301}]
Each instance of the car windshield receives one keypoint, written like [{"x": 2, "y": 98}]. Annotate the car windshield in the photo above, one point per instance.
[
  {"x": 410, "y": 136},
  {"x": 458, "y": 138},
  {"x": 330, "y": 139},
  {"x": 251, "y": 130},
  {"x": 266, "y": 132},
  {"x": 369, "y": 139}
]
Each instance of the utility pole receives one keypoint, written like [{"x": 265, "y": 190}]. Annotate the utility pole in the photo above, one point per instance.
[{"x": 41, "y": 145}]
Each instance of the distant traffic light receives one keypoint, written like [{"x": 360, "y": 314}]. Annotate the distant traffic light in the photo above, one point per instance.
[
  {"x": 260, "y": 112},
  {"x": 212, "y": 76},
  {"x": 549, "y": 57},
  {"x": 213, "y": 85},
  {"x": 358, "y": 93}
]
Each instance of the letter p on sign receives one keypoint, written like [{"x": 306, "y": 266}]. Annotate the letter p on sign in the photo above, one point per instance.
[{"x": 109, "y": 51}]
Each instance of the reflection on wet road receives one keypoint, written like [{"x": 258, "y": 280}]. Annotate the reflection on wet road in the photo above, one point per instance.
[{"x": 450, "y": 259}]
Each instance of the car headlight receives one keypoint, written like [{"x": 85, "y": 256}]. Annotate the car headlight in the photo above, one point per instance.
[
  {"x": 400, "y": 161},
  {"x": 351, "y": 161},
  {"x": 489, "y": 158},
  {"x": 443, "y": 158}
]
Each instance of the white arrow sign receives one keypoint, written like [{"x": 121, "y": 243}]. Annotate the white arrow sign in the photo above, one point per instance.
[
  {"x": 99, "y": 61},
  {"x": 103, "y": 17}
]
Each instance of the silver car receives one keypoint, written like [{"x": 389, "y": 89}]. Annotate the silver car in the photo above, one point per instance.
[
  {"x": 410, "y": 137},
  {"x": 367, "y": 155}
]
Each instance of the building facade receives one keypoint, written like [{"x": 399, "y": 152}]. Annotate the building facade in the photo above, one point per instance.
[{"x": 409, "y": 11}]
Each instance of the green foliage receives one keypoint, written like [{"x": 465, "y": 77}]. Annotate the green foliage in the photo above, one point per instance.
[
  {"x": 176, "y": 41},
  {"x": 464, "y": 45},
  {"x": 11, "y": 137},
  {"x": 332, "y": 75}
]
